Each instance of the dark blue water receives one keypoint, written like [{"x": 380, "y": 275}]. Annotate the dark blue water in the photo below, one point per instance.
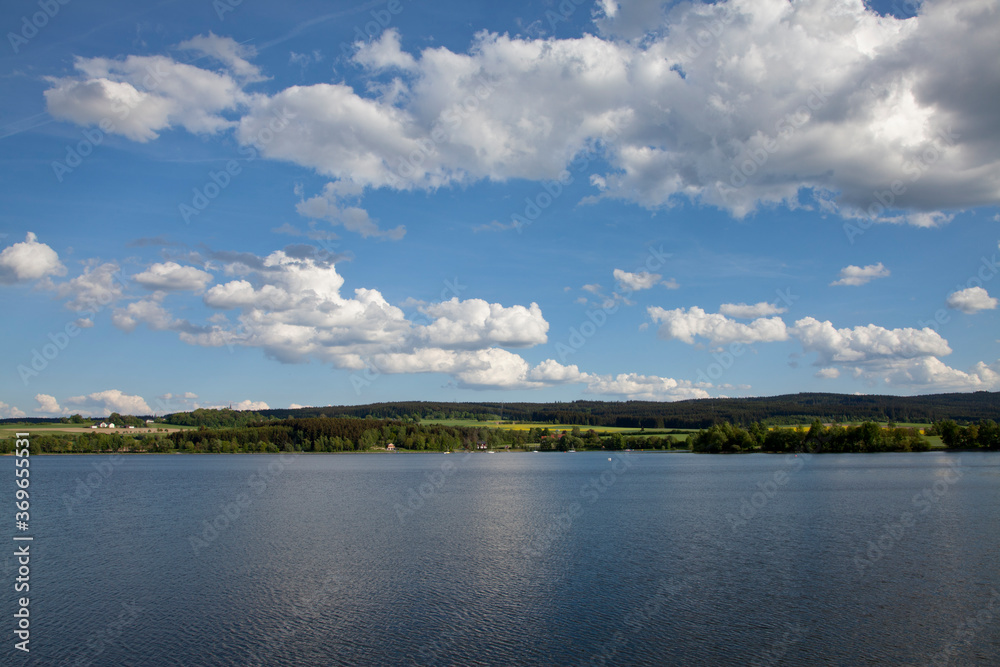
[{"x": 510, "y": 559}]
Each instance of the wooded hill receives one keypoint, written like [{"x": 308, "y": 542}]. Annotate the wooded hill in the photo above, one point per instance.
[{"x": 701, "y": 413}]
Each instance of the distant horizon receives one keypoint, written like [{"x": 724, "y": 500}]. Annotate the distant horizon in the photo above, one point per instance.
[{"x": 485, "y": 403}]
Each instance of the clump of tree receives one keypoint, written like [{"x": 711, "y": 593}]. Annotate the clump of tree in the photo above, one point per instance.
[
  {"x": 984, "y": 434},
  {"x": 865, "y": 437},
  {"x": 215, "y": 418}
]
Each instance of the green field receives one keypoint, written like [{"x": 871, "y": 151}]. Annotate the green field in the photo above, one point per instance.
[
  {"x": 526, "y": 426},
  {"x": 8, "y": 430}
]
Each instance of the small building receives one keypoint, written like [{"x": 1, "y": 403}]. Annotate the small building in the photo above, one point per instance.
[
  {"x": 390, "y": 447},
  {"x": 93, "y": 426},
  {"x": 481, "y": 445},
  {"x": 150, "y": 421},
  {"x": 105, "y": 425},
  {"x": 111, "y": 425}
]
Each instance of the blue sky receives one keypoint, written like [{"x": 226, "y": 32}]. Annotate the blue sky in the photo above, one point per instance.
[{"x": 268, "y": 205}]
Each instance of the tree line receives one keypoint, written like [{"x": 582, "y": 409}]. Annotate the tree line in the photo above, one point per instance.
[
  {"x": 865, "y": 437},
  {"x": 700, "y": 413}
]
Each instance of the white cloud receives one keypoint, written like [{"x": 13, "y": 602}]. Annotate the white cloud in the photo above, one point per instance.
[
  {"x": 931, "y": 373},
  {"x": 229, "y": 52},
  {"x": 99, "y": 286},
  {"x": 384, "y": 53},
  {"x": 29, "y": 260},
  {"x": 48, "y": 404},
  {"x": 780, "y": 102},
  {"x": 140, "y": 96},
  {"x": 645, "y": 387},
  {"x": 111, "y": 400},
  {"x": 171, "y": 276},
  {"x": 971, "y": 300},
  {"x": 146, "y": 311},
  {"x": 551, "y": 371},
  {"x": 476, "y": 323},
  {"x": 685, "y": 325},
  {"x": 828, "y": 373},
  {"x": 333, "y": 206},
  {"x": 866, "y": 343},
  {"x": 10, "y": 411},
  {"x": 749, "y": 312},
  {"x": 636, "y": 281},
  {"x": 856, "y": 275}
]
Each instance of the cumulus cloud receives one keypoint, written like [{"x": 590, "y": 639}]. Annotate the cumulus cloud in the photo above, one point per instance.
[
  {"x": 29, "y": 260},
  {"x": 476, "y": 323},
  {"x": 749, "y": 312},
  {"x": 636, "y": 281},
  {"x": 111, "y": 400},
  {"x": 146, "y": 311},
  {"x": 140, "y": 96},
  {"x": 384, "y": 53},
  {"x": 48, "y": 404},
  {"x": 687, "y": 324},
  {"x": 971, "y": 300},
  {"x": 866, "y": 343},
  {"x": 784, "y": 106},
  {"x": 171, "y": 276},
  {"x": 334, "y": 206},
  {"x": 828, "y": 373},
  {"x": 645, "y": 387},
  {"x": 99, "y": 286},
  {"x": 857, "y": 275},
  {"x": 930, "y": 372},
  {"x": 10, "y": 411}
]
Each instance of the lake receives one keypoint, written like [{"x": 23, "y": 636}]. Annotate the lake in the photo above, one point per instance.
[{"x": 512, "y": 559}]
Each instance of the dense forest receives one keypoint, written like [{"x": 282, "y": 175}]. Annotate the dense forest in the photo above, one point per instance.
[{"x": 701, "y": 413}]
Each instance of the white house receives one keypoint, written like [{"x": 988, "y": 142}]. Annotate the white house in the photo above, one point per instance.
[{"x": 105, "y": 425}]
